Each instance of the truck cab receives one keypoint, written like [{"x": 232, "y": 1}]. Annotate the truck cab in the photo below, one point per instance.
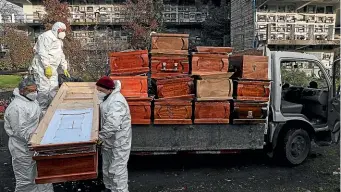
[{"x": 303, "y": 104}]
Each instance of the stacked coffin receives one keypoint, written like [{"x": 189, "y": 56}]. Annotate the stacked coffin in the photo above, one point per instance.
[
  {"x": 251, "y": 88},
  {"x": 131, "y": 69},
  {"x": 171, "y": 83},
  {"x": 213, "y": 86}
]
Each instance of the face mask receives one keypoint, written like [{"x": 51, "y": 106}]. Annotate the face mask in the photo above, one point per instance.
[
  {"x": 61, "y": 35},
  {"x": 32, "y": 96},
  {"x": 101, "y": 95}
]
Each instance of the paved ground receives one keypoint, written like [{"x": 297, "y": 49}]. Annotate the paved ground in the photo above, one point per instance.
[{"x": 247, "y": 172}]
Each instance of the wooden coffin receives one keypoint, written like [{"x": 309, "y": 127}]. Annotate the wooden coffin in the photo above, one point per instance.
[
  {"x": 251, "y": 90},
  {"x": 216, "y": 50},
  {"x": 249, "y": 112},
  {"x": 65, "y": 140},
  {"x": 169, "y": 41},
  {"x": 203, "y": 62},
  {"x": 249, "y": 67},
  {"x": 173, "y": 87},
  {"x": 133, "y": 86},
  {"x": 129, "y": 63},
  {"x": 140, "y": 110},
  {"x": 172, "y": 111},
  {"x": 169, "y": 64},
  {"x": 214, "y": 87},
  {"x": 207, "y": 112}
]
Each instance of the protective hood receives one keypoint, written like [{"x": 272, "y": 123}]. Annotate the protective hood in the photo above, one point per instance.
[
  {"x": 56, "y": 26},
  {"x": 117, "y": 86},
  {"x": 17, "y": 95}
]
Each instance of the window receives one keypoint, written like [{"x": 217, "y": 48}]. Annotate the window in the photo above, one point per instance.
[{"x": 302, "y": 73}]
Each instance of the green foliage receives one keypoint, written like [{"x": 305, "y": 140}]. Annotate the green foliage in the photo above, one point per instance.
[
  {"x": 294, "y": 77},
  {"x": 9, "y": 81}
]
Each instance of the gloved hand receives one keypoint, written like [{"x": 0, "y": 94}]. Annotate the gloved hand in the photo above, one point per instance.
[
  {"x": 48, "y": 72},
  {"x": 99, "y": 142},
  {"x": 66, "y": 73}
]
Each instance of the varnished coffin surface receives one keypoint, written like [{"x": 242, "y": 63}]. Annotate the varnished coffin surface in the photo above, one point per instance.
[
  {"x": 173, "y": 111},
  {"x": 170, "y": 41},
  {"x": 203, "y": 62},
  {"x": 65, "y": 140},
  {"x": 173, "y": 87},
  {"x": 215, "y": 112},
  {"x": 216, "y": 50},
  {"x": 250, "y": 67},
  {"x": 251, "y": 90},
  {"x": 246, "y": 112},
  {"x": 169, "y": 63},
  {"x": 140, "y": 110},
  {"x": 133, "y": 86},
  {"x": 213, "y": 87},
  {"x": 68, "y": 167},
  {"x": 129, "y": 63}
]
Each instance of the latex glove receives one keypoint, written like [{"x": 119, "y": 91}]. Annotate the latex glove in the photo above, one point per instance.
[
  {"x": 99, "y": 142},
  {"x": 66, "y": 73},
  {"x": 48, "y": 72}
]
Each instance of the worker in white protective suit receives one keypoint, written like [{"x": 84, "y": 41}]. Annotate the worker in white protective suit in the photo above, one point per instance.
[
  {"x": 115, "y": 135},
  {"x": 48, "y": 56},
  {"x": 21, "y": 119}
]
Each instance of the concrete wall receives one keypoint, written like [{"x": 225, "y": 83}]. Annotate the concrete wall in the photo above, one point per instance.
[{"x": 242, "y": 24}]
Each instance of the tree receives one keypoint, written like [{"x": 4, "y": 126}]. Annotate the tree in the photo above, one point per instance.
[
  {"x": 143, "y": 17},
  {"x": 216, "y": 27},
  {"x": 59, "y": 11},
  {"x": 20, "y": 51},
  {"x": 14, "y": 42}
]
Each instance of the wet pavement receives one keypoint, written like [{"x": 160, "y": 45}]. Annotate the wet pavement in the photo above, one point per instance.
[{"x": 247, "y": 172}]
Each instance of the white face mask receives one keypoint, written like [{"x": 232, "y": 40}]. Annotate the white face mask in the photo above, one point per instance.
[
  {"x": 61, "y": 35},
  {"x": 101, "y": 95},
  {"x": 32, "y": 96}
]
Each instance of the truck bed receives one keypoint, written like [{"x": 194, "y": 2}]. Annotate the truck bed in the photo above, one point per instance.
[{"x": 175, "y": 138}]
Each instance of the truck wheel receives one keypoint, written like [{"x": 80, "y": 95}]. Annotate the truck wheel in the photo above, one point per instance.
[
  {"x": 297, "y": 146},
  {"x": 336, "y": 133}
]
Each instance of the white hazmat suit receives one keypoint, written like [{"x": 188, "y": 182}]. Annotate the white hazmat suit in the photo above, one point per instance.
[
  {"x": 48, "y": 52},
  {"x": 21, "y": 120},
  {"x": 116, "y": 137}
]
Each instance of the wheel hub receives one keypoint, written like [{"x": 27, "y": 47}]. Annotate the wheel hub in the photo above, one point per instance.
[{"x": 298, "y": 146}]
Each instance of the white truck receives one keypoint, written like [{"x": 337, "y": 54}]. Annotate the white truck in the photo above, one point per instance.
[{"x": 303, "y": 107}]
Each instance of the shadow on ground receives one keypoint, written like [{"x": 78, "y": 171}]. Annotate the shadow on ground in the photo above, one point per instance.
[{"x": 249, "y": 171}]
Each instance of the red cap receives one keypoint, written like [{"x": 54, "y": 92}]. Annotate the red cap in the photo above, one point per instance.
[{"x": 106, "y": 82}]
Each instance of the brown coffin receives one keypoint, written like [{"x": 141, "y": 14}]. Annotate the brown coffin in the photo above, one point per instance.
[
  {"x": 67, "y": 161},
  {"x": 172, "y": 111},
  {"x": 67, "y": 167},
  {"x": 251, "y": 90},
  {"x": 249, "y": 67},
  {"x": 214, "y": 86},
  {"x": 170, "y": 41},
  {"x": 140, "y": 110},
  {"x": 169, "y": 64},
  {"x": 217, "y": 50},
  {"x": 207, "y": 112},
  {"x": 203, "y": 62},
  {"x": 133, "y": 86},
  {"x": 129, "y": 63},
  {"x": 173, "y": 87},
  {"x": 249, "y": 112}
]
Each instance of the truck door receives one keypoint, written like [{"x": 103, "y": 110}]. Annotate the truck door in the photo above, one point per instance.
[{"x": 334, "y": 104}]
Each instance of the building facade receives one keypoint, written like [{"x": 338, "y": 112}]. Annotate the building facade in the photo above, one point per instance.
[
  {"x": 288, "y": 25},
  {"x": 99, "y": 18}
]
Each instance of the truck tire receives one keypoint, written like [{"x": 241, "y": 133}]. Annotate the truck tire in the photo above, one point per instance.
[{"x": 297, "y": 145}]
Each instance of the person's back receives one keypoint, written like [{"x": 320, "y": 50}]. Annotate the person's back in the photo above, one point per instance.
[
  {"x": 115, "y": 134},
  {"x": 21, "y": 119}
]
